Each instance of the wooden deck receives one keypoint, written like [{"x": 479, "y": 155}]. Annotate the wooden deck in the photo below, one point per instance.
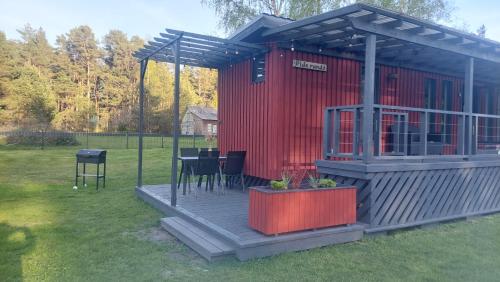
[{"x": 217, "y": 225}]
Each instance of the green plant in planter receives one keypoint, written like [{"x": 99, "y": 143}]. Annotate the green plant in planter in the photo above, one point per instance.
[
  {"x": 281, "y": 184},
  {"x": 278, "y": 185},
  {"x": 313, "y": 181},
  {"x": 327, "y": 183}
]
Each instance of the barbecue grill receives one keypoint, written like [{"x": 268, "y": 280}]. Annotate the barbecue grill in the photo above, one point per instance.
[{"x": 93, "y": 156}]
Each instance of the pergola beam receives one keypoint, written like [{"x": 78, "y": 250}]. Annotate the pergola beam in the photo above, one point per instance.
[
  {"x": 184, "y": 61},
  {"x": 144, "y": 64},
  {"x": 324, "y": 28},
  {"x": 327, "y": 38},
  {"x": 201, "y": 47},
  {"x": 405, "y": 36},
  {"x": 220, "y": 46},
  {"x": 175, "y": 145},
  {"x": 241, "y": 45}
]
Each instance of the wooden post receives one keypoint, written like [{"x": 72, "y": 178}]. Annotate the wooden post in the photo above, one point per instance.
[
  {"x": 461, "y": 135},
  {"x": 424, "y": 129},
  {"x": 43, "y": 139},
  {"x": 175, "y": 144},
  {"x": 378, "y": 131},
  {"x": 126, "y": 134},
  {"x": 468, "y": 101},
  {"x": 326, "y": 134},
  {"x": 368, "y": 97},
  {"x": 144, "y": 65},
  {"x": 355, "y": 136},
  {"x": 336, "y": 131}
]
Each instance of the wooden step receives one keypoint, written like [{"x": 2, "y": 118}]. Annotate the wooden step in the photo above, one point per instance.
[{"x": 202, "y": 242}]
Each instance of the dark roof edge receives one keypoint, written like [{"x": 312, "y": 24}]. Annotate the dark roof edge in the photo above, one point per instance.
[
  {"x": 383, "y": 11},
  {"x": 263, "y": 20},
  {"x": 426, "y": 23}
]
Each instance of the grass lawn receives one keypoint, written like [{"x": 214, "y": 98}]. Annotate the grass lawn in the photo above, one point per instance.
[{"x": 50, "y": 232}]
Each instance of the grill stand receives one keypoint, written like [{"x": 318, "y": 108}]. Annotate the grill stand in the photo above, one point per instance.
[
  {"x": 84, "y": 174},
  {"x": 85, "y": 157}
]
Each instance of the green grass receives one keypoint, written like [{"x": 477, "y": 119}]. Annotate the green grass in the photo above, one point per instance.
[{"x": 50, "y": 232}]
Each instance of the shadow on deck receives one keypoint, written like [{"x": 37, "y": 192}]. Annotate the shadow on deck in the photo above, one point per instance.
[{"x": 216, "y": 226}]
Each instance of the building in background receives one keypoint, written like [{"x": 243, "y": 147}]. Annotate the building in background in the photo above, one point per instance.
[{"x": 199, "y": 121}]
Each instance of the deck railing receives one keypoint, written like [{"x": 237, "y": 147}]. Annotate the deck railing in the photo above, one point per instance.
[{"x": 410, "y": 133}]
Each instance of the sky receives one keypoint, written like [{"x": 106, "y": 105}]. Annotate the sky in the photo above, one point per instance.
[{"x": 147, "y": 18}]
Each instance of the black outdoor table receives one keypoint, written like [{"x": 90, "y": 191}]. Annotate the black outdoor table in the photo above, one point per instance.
[{"x": 184, "y": 177}]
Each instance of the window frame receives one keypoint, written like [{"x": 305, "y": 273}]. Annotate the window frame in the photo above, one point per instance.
[{"x": 259, "y": 76}]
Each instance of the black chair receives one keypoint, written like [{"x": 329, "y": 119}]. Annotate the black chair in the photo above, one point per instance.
[
  {"x": 435, "y": 145},
  {"x": 233, "y": 167},
  {"x": 206, "y": 165},
  {"x": 209, "y": 149},
  {"x": 186, "y": 165}
]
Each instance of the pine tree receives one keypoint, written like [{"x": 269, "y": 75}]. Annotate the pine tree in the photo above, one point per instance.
[{"x": 66, "y": 86}]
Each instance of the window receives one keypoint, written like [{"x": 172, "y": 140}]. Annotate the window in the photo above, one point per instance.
[
  {"x": 212, "y": 129},
  {"x": 259, "y": 68}
]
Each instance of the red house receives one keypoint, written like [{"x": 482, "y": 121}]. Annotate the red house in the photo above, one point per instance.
[
  {"x": 275, "y": 109},
  {"x": 405, "y": 110}
]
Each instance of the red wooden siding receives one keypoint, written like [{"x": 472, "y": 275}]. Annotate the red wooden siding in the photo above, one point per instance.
[
  {"x": 279, "y": 121},
  {"x": 249, "y": 115}
]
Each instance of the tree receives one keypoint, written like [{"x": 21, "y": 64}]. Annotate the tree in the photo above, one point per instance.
[
  {"x": 83, "y": 53},
  {"x": 432, "y": 10},
  {"x": 30, "y": 100},
  {"x": 8, "y": 60},
  {"x": 235, "y": 13},
  {"x": 204, "y": 82},
  {"x": 67, "y": 86},
  {"x": 35, "y": 49},
  {"x": 119, "y": 78},
  {"x": 82, "y": 49},
  {"x": 481, "y": 31}
]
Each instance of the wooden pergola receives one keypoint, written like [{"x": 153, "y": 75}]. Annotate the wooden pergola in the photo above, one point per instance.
[{"x": 179, "y": 47}]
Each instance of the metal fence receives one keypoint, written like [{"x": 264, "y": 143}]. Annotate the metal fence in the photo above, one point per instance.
[{"x": 85, "y": 140}]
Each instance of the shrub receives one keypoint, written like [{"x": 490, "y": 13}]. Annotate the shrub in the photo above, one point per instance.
[
  {"x": 327, "y": 183},
  {"x": 39, "y": 138},
  {"x": 278, "y": 185}
]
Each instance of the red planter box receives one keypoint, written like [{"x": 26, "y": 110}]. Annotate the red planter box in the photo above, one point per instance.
[{"x": 274, "y": 212}]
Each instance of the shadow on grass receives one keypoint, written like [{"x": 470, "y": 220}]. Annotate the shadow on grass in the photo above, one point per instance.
[{"x": 15, "y": 242}]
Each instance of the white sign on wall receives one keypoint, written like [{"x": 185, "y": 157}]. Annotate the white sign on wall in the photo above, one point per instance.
[{"x": 309, "y": 65}]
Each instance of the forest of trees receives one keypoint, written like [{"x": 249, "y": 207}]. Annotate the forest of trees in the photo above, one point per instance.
[{"x": 84, "y": 83}]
